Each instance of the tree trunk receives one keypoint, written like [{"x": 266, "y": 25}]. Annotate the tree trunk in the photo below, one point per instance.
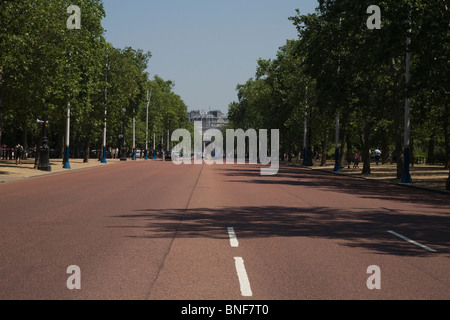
[
  {"x": 1, "y": 105},
  {"x": 289, "y": 148},
  {"x": 309, "y": 153},
  {"x": 86, "y": 151},
  {"x": 349, "y": 151},
  {"x": 447, "y": 146},
  {"x": 323, "y": 160},
  {"x": 398, "y": 153},
  {"x": 365, "y": 145},
  {"x": 342, "y": 149},
  {"x": 431, "y": 149},
  {"x": 384, "y": 147},
  {"x": 447, "y": 140},
  {"x": 398, "y": 142}
]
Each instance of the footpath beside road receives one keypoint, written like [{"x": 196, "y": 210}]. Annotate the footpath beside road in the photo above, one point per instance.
[
  {"x": 429, "y": 177},
  {"x": 9, "y": 171},
  {"x": 424, "y": 176}
]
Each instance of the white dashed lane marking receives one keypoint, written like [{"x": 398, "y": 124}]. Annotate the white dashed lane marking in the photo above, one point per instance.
[
  {"x": 244, "y": 283},
  {"x": 246, "y": 290},
  {"x": 233, "y": 239},
  {"x": 411, "y": 241}
]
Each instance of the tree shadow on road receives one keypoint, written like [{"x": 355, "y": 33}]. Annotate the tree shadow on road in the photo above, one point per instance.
[
  {"x": 328, "y": 181},
  {"x": 359, "y": 228},
  {"x": 365, "y": 228}
]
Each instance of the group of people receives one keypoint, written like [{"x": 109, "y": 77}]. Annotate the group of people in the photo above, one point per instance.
[{"x": 357, "y": 158}]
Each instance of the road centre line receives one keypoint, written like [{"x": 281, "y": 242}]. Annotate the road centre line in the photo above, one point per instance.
[
  {"x": 411, "y": 241},
  {"x": 246, "y": 290},
  {"x": 233, "y": 239},
  {"x": 244, "y": 283}
]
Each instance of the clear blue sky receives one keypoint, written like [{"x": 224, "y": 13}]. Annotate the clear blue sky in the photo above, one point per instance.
[{"x": 206, "y": 47}]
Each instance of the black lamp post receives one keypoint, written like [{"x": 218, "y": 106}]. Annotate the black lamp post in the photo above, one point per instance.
[
  {"x": 123, "y": 153},
  {"x": 44, "y": 159}
]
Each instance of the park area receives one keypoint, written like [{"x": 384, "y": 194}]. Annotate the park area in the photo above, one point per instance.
[{"x": 423, "y": 175}]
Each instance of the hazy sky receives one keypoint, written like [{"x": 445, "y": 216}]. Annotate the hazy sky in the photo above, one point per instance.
[{"x": 206, "y": 47}]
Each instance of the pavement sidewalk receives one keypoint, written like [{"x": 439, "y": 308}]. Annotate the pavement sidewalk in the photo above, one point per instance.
[{"x": 9, "y": 171}]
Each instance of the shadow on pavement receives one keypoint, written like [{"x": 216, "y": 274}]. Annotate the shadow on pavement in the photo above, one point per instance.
[
  {"x": 358, "y": 227},
  {"x": 339, "y": 183},
  {"x": 365, "y": 228}
]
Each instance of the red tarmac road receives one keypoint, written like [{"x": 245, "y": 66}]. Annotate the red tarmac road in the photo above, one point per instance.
[{"x": 154, "y": 230}]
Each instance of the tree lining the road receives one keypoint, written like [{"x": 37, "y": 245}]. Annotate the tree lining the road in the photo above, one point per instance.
[
  {"x": 338, "y": 65},
  {"x": 44, "y": 66}
]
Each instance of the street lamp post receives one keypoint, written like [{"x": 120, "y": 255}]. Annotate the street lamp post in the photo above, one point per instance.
[
  {"x": 44, "y": 159},
  {"x": 66, "y": 164},
  {"x": 70, "y": 26},
  {"x": 104, "y": 139},
  {"x": 67, "y": 146},
  {"x": 154, "y": 146},
  {"x": 305, "y": 130},
  {"x": 106, "y": 114},
  {"x": 123, "y": 152},
  {"x": 149, "y": 95},
  {"x": 162, "y": 145},
  {"x": 133, "y": 157},
  {"x": 337, "y": 166}
]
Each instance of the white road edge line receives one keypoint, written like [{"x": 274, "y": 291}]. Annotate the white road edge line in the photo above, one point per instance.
[
  {"x": 411, "y": 241},
  {"x": 233, "y": 239},
  {"x": 246, "y": 291}
]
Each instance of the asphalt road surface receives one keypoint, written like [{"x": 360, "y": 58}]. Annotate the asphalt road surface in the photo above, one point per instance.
[{"x": 156, "y": 231}]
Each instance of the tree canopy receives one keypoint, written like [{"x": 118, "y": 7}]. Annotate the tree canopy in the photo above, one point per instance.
[
  {"x": 45, "y": 67},
  {"x": 337, "y": 65}
]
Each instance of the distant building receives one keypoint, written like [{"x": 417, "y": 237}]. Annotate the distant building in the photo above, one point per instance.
[{"x": 210, "y": 119}]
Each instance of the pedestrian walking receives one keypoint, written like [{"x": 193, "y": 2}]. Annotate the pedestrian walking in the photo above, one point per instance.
[
  {"x": 349, "y": 159},
  {"x": 356, "y": 160},
  {"x": 377, "y": 155},
  {"x": 18, "y": 152}
]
